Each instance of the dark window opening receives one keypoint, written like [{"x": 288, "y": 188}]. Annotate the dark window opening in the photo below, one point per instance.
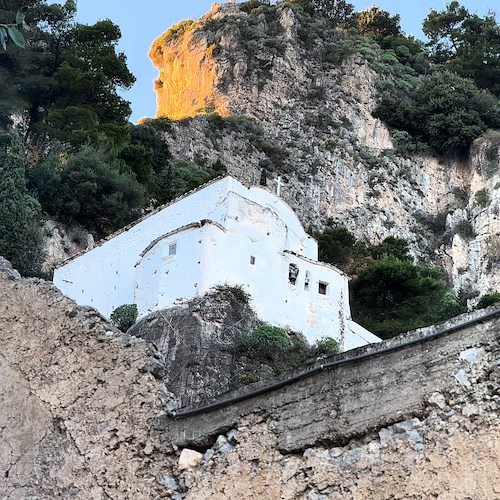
[
  {"x": 322, "y": 287},
  {"x": 293, "y": 272},
  {"x": 172, "y": 249},
  {"x": 306, "y": 280},
  {"x": 252, "y": 260}
]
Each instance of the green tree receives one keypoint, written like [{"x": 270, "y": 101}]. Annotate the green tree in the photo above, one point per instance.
[
  {"x": 338, "y": 11},
  {"x": 445, "y": 110},
  {"x": 138, "y": 161},
  {"x": 392, "y": 247},
  {"x": 188, "y": 175},
  {"x": 488, "y": 299},
  {"x": 393, "y": 296},
  {"x": 86, "y": 188},
  {"x": 453, "y": 112},
  {"x": 69, "y": 71},
  {"x": 468, "y": 44},
  {"x": 20, "y": 240},
  {"x": 378, "y": 23},
  {"x": 335, "y": 245}
]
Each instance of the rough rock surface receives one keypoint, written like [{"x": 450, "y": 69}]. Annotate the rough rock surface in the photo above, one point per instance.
[
  {"x": 62, "y": 242},
  {"x": 296, "y": 115},
  {"x": 418, "y": 423},
  {"x": 78, "y": 401},
  {"x": 446, "y": 457},
  {"x": 197, "y": 341}
]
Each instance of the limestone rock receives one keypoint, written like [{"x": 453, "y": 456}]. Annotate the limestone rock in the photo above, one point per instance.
[
  {"x": 196, "y": 341},
  {"x": 78, "y": 405},
  {"x": 189, "y": 459}
]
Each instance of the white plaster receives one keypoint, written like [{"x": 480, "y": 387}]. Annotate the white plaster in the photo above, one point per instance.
[{"x": 217, "y": 229}]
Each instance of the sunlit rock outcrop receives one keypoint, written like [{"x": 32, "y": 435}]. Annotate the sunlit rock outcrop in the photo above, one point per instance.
[{"x": 188, "y": 78}]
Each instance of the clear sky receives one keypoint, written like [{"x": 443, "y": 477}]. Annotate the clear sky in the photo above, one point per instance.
[{"x": 141, "y": 21}]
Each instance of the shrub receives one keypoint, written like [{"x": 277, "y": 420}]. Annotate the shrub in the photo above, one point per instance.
[
  {"x": 393, "y": 296},
  {"x": 266, "y": 341},
  {"x": 482, "y": 197},
  {"x": 444, "y": 110},
  {"x": 335, "y": 245},
  {"x": 251, "y": 5},
  {"x": 87, "y": 189},
  {"x": 235, "y": 294},
  {"x": 326, "y": 346},
  {"x": 488, "y": 299},
  {"x": 123, "y": 317},
  {"x": 464, "y": 228},
  {"x": 275, "y": 153}
]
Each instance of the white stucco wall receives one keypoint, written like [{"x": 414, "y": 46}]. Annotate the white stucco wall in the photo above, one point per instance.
[
  {"x": 104, "y": 277},
  {"x": 161, "y": 278},
  {"x": 134, "y": 266}
]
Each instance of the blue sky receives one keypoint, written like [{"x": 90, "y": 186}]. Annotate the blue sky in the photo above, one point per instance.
[{"x": 141, "y": 21}]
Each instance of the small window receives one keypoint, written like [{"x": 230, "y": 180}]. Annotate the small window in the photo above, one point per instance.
[
  {"x": 322, "y": 288},
  {"x": 252, "y": 260},
  {"x": 172, "y": 249},
  {"x": 293, "y": 273},
  {"x": 307, "y": 279}
]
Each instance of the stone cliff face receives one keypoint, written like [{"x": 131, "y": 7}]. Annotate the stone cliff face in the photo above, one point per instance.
[
  {"x": 188, "y": 79},
  {"x": 197, "y": 341},
  {"x": 78, "y": 400},
  {"x": 295, "y": 113}
]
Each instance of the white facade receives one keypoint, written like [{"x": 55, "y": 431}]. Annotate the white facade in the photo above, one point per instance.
[{"x": 223, "y": 233}]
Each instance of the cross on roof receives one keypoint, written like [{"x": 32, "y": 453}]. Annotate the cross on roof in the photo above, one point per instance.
[{"x": 279, "y": 185}]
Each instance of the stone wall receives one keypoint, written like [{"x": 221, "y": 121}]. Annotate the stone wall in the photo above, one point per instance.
[
  {"x": 364, "y": 394},
  {"x": 421, "y": 422}
]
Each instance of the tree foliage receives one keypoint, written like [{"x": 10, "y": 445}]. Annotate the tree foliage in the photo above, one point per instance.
[
  {"x": 335, "y": 245},
  {"x": 446, "y": 111},
  {"x": 339, "y": 11},
  {"x": 13, "y": 30},
  {"x": 394, "y": 295},
  {"x": 85, "y": 188},
  {"x": 391, "y": 294},
  {"x": 488, "y": 299},
  {"x": 466, "y": 43},
  {"x": 378, "y": 23},
  {"x": 19, "y": 212},
  {"x": 123, "y": 317},
  {"x": 66, "y": 81}
]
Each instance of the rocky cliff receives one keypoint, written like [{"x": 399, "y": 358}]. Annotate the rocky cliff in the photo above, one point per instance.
[
  {"x": 198, "y": 341},
  {"x": 295, "y": 100}
]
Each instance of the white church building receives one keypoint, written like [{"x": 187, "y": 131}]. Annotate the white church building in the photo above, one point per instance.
[{"x": 221, "y": 233}]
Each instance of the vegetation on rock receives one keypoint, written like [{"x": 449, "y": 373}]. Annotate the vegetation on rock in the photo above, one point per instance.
[
  {"x": 124, "y": 316},
  {"x": 274, "y": 346},
  {"x": 20, "y": 238},
  {"x": 488, "y": 299}
]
